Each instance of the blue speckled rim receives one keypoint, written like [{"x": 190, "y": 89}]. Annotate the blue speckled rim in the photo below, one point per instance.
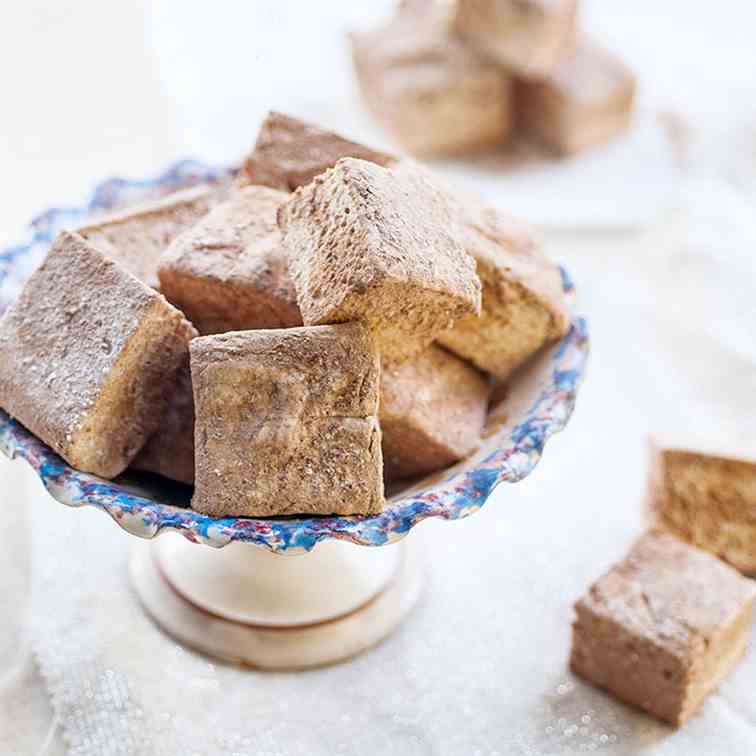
[{"x": 509, "y": 456}]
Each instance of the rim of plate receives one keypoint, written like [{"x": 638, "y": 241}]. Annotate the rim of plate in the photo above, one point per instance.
[{"x": 457, "y": 494}]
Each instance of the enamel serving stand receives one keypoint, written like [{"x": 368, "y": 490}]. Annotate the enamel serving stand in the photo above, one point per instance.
[{"x": 239, "y": 600}]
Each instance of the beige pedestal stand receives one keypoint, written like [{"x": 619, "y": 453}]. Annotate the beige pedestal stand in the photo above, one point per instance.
[{"x": 244, "y": 604}]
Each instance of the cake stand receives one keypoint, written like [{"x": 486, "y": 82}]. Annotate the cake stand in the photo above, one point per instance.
[{"x": 241, "y": 600}]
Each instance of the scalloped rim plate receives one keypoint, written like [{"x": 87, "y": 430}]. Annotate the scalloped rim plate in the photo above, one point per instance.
[{"x": 508, "y": 455}]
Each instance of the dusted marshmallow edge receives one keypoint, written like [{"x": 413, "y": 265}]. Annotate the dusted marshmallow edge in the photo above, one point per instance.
[
  {"x": 584, "y": 102},
  {"x": 523, "y": 301},
  {"x": 381, "y": 246},
  {"x": 663, "y": 628},
  {"x": 229, "y": 272},
  {"x": 432, "y": 412},
  {"x": 707, "y": 497},
  {"x": 290, "y": 153},
  {"x": 432, "y": 93},
  {"x": 87, "y": 357},
  {"x": 286, "y": 422},
  {"x": 170, "y": 450},
  {"x": 527, "y": 37},
  {"x": 136, "y": 236}
]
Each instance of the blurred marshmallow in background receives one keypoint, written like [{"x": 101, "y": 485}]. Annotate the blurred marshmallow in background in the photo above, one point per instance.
[{"x": 222, "y": 77}]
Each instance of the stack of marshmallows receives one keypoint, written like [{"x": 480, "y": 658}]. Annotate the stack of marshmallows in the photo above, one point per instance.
[
  {"x": 332, "y": 319},
  {"x": 455, "y": 76}
]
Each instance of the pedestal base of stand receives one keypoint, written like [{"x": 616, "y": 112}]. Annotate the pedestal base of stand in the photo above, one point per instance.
[{"x": 247, "y": 605}]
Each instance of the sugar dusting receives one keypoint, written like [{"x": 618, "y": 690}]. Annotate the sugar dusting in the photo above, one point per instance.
[{"x": 574, "y": 718}]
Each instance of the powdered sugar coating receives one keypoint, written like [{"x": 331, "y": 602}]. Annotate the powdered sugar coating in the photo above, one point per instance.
[
  {"x": 286, "y": 422},
  {"x": 56, "y": 320},
  {"x": 523, "y": 304},
  {"x": 136, "y": 237},
  {"x": 670, "y": 592},
  {"x": 290, "y": 153},
  {"x": 382, "y": 246},
  {"x": 432, "y": 413},
  {"x": 229, "y": 272},
  {"x": 510, "y": 454},
  {"x": 63, "y": 340}
]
